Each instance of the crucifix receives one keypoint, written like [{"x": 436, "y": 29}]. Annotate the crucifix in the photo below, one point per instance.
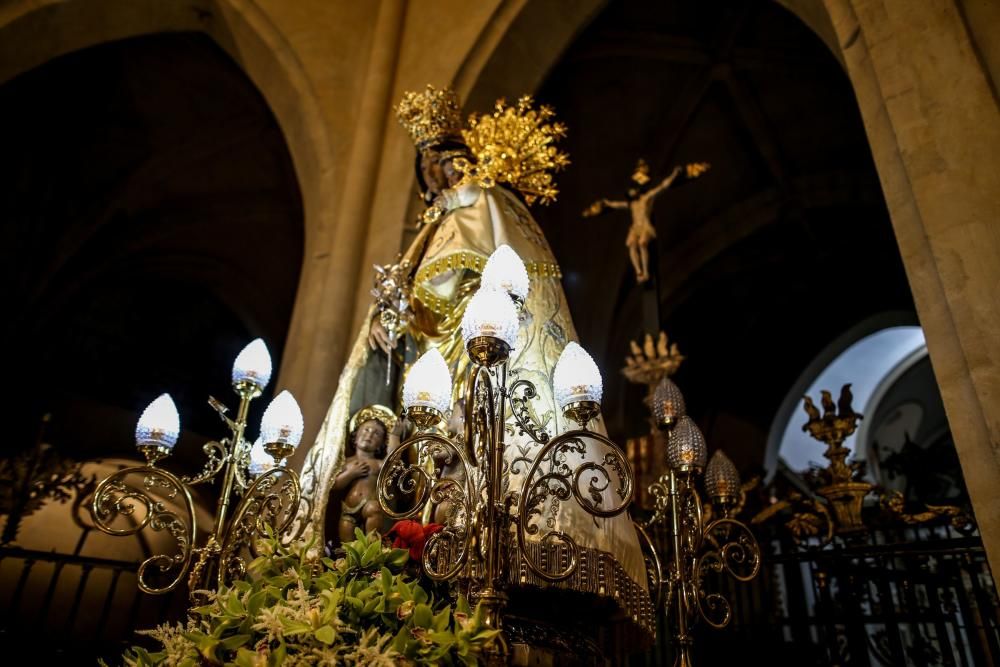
[{"x": 639, "y": 202}]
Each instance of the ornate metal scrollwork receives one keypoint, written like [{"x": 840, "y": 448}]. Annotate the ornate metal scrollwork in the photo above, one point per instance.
[
  {"x": 216, "y": 453},
  {"x": 559, "y": 482},
  {"x": 495, "y": 491},
  {"x": 733, "y": 550},
  {"x": 268, "y": 508},
  {"x": 520, "y": 393},
  {"x": 451, "y": 545},
  {"x": 114, "y": 498}
]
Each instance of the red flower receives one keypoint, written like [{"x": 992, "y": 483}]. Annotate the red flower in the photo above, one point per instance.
[{"x": 412, "y": 535}]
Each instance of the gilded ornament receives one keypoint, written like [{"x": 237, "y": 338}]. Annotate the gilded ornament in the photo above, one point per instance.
[
  {"x": 839, "y": 487},
  {"x": 431, "y": 116},
  {"x": 515, "y": 146}
]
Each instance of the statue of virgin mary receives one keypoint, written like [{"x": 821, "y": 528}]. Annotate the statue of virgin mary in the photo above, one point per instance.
[{"x": 478, "y": 185}]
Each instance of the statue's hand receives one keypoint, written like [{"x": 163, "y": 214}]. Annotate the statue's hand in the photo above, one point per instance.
[
  {"x": 378, "y": 336},
  {"x": 357, "y": 469}
]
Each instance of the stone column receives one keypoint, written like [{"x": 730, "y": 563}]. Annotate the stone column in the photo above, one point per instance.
[{"x": 934, "y": 126}]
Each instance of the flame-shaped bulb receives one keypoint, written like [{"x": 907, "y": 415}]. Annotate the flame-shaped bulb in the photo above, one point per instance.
[{"x": 159, "y": 425}]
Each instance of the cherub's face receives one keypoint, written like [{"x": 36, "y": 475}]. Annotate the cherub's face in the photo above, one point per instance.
[{"x": 370, "y": 437}]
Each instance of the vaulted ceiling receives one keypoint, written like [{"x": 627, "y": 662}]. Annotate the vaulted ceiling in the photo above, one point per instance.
[
  {"x": 152, "y": 226},
  {"x": 762, "y": 261}
]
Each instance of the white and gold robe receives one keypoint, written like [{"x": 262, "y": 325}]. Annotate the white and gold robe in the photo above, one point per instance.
[{"x": 449, "y": 259}]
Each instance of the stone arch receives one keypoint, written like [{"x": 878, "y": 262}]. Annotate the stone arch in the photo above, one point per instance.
[
  {"x": 242, "y": 29},
  {"x": 33, "y": 32}
]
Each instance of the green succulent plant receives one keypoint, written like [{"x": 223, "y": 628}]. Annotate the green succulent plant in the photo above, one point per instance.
[{"x": 293, "y": 608}]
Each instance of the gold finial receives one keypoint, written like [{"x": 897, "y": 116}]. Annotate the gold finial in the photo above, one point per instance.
[
  {"x": 431, "y": 116},
  {"x": 515, "y": 145},
  {"x": 641, "y": 173},
  {"x": 652, "y": 361}
]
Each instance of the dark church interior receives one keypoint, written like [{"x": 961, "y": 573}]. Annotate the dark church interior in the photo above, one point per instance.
[{"x": 160, "y": 213}]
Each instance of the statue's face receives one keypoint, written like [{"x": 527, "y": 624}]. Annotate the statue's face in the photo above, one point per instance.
[
  {"x": 450, "y": 173},
  {"x": 431, "y": 170},
  {"x": 370, "y": 437}
]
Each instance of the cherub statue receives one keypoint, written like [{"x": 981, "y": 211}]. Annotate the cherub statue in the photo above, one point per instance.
[
  {"x": 640, "y": 205},
  {"x": 374, "y": 431}
]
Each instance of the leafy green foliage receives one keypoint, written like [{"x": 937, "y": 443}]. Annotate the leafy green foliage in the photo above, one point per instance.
[{"x": 295, "y": 609}]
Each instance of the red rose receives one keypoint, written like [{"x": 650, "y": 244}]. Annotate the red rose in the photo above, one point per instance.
[{"x": 412, "y": 535}]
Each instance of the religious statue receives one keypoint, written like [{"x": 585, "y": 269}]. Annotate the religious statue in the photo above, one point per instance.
[
  {"x": 373, "y": 430},
  {"x": 639, "y": 202},
  {"x": 478, "y": 182}
]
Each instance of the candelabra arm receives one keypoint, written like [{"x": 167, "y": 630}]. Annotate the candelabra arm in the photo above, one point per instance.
[
  {"x": 654, "y": 566},
  {"x": 561, "y": 482},
  {"x": 247, "y": 392},
  {"x": 217, "y": 457},
  {"x": 114, "y": 498},
  {"x": 679, "y": 570},
  {"x": 267, "y": 509},
  {"x": 519, "y": 394}
]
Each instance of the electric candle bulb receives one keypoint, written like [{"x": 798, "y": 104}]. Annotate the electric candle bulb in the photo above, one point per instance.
[
  {"x": 282, "y": 421},
  {"x": 159, "y": 425},
  {"x": 492, "y": 314},
  {"x": 668, "y": 402},
  {"x": 722, "y": 480},
  {"x": 504, "y": 270},
  {"x": 253, "y": 364},
  {"x": 686, "y": 445},
  {"x": 576, "y": 377},
  {"x": 428, "y": 384},
  {"x": 260, "y": 460}
]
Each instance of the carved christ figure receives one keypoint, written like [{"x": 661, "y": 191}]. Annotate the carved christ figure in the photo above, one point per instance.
[{"x": 640, "y": 205}]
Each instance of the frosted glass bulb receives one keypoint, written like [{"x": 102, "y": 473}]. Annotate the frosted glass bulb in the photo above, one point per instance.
[
  {"x": 686, "y": 445},
  {"x": 159, "y": 425},
  {"x": 504, "y": 270},
  {"x": 576, "y": 377},
  {"x": 722, "y": 480},
  {"x": 282, "y": 421},
  {"x": 260, "y": 460},
  {"x": 428, "y": 384},
  {"x": 490, "y": 313},
  {"x": 253, "y": 364}
]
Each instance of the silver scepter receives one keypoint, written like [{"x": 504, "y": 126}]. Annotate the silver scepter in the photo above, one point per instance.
[{"x": 392, "y": 298}]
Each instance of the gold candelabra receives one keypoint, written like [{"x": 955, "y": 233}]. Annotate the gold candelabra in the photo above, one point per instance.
[
  {"x": 704, "y": 539},
  {"x": 840, "y": 489},
  {"x": 492, "y": 521},
  {"x": 268, "y": 492}
]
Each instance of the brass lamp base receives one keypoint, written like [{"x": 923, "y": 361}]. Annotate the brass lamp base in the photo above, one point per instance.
[
  {"x": 153, "y": 452},
  {"x": 488, "y": 351},
  {"x": 278, "y": 450},
  {"x": 582, "y": 411},
  {"x": 688, "y": 469},
  {"x": 423, "y": 416},
  {"x": 667, "y": 424},
  {"x": 247, "y": 389}
]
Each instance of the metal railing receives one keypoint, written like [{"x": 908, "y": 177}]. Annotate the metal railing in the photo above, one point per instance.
[
  {"x": 75, "y": 608},
  {"x": 919, "y": 596}
]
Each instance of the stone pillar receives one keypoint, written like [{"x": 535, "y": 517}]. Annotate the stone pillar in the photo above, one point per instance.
[
  {"x": 934, "y": 126},
  {"x": 317, "y": 348}
]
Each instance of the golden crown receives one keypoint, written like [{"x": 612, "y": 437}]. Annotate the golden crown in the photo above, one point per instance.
[
  {"x": 515, "y": 146},
  {"x": 430, "y": 116},
  {"x": 377, "y": 412}
]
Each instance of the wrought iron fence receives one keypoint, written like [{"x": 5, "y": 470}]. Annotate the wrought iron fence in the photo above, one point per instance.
[{"x": 920, "y": 596}]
